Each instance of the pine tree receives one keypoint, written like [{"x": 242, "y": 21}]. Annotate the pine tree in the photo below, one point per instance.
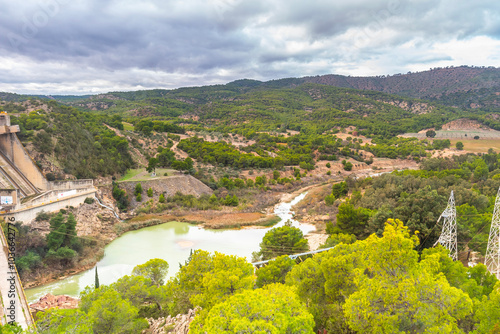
[
  {"x": 138, "y": 189},
  {"x": 96, "y": 279},
  {"x": 70, "y": 230},
  {"x": 55, "y": 238}
]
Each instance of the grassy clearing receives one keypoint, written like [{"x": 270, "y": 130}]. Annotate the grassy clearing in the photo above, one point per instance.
[
  {"x": 459, "y": 134},
  {"x": 130, "y": 174},
  {"x": 128, "y": 126},
  {"x": 140, "y": 174},
  {"x": 478, "y": 146}
]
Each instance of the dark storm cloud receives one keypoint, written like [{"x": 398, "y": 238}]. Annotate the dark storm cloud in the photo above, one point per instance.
[{"x": 89, "y": 45}]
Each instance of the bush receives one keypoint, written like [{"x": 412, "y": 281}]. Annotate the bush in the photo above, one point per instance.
[
  {"x": 150, "y": 192},
  {"x": 430, "y": 134},
  {"x": 42, "y": 216},
  {"x": 120, "y": 196},
  {"x": 231, "y": 200},
  {"x": 138, "y": 197},
  {"x": 138, "y": 189},
  {"x": 89, "y": 200},
  {"x": 162, "y": 198},
  {"x": 329, "y": 199},
  {"x": 348, "y": 166},
  {"x": 29, "y": 261}
]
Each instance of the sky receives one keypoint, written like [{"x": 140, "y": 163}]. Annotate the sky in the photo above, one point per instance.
[{"x": 89, "y": 46}]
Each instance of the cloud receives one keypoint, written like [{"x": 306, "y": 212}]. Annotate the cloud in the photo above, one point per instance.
[{"x": 89, "y": 46}]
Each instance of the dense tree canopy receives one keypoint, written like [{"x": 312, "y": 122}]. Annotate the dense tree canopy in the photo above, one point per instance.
[
  {"x": 273, "y": 309},
  {"x": 282, "y": 240}
]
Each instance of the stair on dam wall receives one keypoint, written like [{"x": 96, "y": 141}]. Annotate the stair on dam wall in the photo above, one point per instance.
[{"x": 12, "y": 177}]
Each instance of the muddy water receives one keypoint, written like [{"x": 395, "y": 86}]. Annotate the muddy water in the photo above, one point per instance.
[{"x": 172, "y": 242}]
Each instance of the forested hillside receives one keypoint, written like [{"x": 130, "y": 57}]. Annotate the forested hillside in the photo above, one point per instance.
[
  {"x": 266, "y": 113},
  {"x": 78, "y": 142}
]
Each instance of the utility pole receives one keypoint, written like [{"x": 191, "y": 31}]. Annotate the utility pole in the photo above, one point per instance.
[
  {"x": 492, "y": 259},
  {"x": 448, "y": 237}
]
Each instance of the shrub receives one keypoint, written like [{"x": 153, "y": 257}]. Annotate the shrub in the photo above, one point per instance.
[
  {"x": 329, "y": 199},
  {"x": 150, "y": 192},
  {"x": 42, "y": 216},
  {"x": 138, "y": 189},
  {"x": 162, "y": 198},
  {"x": 89, "y": 200}
]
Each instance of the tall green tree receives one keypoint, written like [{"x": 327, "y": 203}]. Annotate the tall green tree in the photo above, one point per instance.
[
  {"x": 351, "y": 220},
  {"x": 56, "y": 236},
  {"x": 61, "y": 321},
  {"x": 96, "y": 279},
  {"x": 397, "y": 294},
  {"x": 488, "y": 313},
  {"x": 152, "y": 164},
  {"x": 112, "y": 314},
  {"x": 155, "y": 269},
  {"x": 275, "y": 271},
  {"x": 282, "y": 241},
  {"x": 274, "y": 309}
]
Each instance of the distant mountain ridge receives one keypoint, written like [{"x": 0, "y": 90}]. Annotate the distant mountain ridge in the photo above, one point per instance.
[{"x": 466, "y": 87}]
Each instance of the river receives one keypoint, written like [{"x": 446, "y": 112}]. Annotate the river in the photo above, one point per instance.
[{"x": 172, "y": 242}]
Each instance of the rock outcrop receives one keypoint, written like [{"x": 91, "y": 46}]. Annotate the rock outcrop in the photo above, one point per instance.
[
  {"x": 175, "y": 325},
  {"x": 50, "y": 301}
]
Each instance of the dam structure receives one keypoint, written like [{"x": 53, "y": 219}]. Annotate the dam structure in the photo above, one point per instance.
[{"x": 24, "y": 190}]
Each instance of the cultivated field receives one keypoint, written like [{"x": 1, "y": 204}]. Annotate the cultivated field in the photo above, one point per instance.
[
  {"x": 478, "y": 146},
  {"x": 488, "y": 138},
  {"x": 459, "y": 134}
]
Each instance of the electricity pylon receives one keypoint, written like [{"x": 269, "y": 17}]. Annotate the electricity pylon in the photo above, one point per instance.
[
  {"x": 448, "y": 237},
  {"x": 492, "y": 259}
]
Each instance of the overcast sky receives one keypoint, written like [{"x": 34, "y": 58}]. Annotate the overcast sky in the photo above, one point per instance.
[{"x": 91, "y": 46}]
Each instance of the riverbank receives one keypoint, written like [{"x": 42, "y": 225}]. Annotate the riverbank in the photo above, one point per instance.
[{"x": 213, "y": 219}]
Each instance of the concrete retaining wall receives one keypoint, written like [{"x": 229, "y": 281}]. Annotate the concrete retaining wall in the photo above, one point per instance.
[
  {"x": 28, "y": 214},
  {"x": 53, "y": 196},
  {"x": 73, "y": 184}
]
